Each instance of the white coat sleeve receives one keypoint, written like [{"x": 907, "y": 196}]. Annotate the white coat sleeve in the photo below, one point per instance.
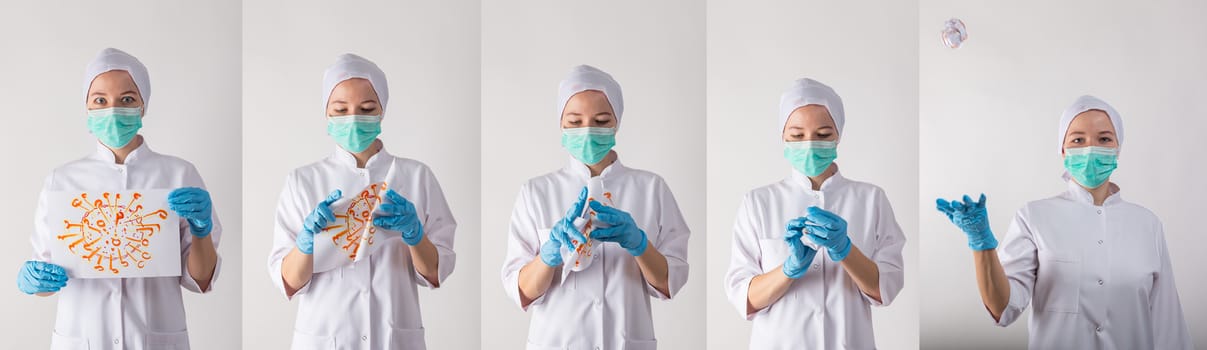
[
  {"x": 889, "y": 242},
  {"x": 41, "y": 248},
  {"x": 1169, "y": 325},
  {"x": 192, "y": 178},
  {"x": 672, "y": 240},
  {"x": 439, "y": 227},
  {"x": 523, "y": 244},
  {"x": 1020, "y": 261},
  {"x": 290, "y": 216},
  {"x": 745, "y": 261}
]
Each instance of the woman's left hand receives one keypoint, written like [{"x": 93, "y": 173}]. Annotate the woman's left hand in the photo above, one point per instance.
[
  {"x": 400, "y": 215},
  {"x": 194, "y": 205},
  {"x": 622, "y": 230}
]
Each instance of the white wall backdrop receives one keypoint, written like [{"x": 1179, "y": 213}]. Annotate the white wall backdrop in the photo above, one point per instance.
[
  {"x": 989, "y": 114},
  {"x": 755, "y": 50},
  {"x": 192, "y": 55},
  {"x": 656, "y": 51},
  {"x": 429, "y": 51}
]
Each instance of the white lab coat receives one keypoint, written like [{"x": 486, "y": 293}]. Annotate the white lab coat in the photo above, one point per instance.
[
  {"x": 122, "y": 313},
  {"x": 1098, "y": 276},
  {"x": 607, "y": 305},
  {"x": 824, "y": 309},
  {"x": 373, "y": 303}
]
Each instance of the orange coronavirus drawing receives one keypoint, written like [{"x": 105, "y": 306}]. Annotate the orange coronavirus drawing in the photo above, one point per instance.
[
  {"x": 353, "y": 226},
  {"x": 112, "y": 233}
]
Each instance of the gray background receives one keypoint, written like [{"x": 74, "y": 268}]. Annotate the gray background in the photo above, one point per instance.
[
  {"x": 755, "y": 50},
  {"x": 655, "y": 49},
  {"x": 192, "y": 55},
  {"x": 429, "y": 52},
  {"x": 990, "y": 111}
]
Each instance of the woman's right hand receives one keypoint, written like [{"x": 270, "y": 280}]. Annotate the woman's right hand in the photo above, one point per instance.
[
  {"x": 564, "y": 233},
  {"x": 41, "y": 277},
  {"x": 972, "y": 218},
  {"x": 316, "y": 221}
]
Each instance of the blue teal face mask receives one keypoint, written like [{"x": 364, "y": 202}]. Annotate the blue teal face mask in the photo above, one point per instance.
[
  {"x": 354, "y": 132},
  {"x": 1091, "y": 166},
  {"x": 811, "y": 157},
  {"x": 590, "y": 144},
  {"x": 115, "y": 126}
]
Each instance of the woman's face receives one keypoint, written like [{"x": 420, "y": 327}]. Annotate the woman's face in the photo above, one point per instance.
[
  {"x": 588, "y": 109},
  {"x": 114, "y": 88},
  {"x": 810, "y": 123},
  {"x": 353, "y": 97},
  {"x": 1091, "y": 128}
]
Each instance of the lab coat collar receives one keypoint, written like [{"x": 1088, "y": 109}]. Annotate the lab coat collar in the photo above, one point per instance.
[
  {"x": 1080, "y": 194},
  {"x": 831, "y": 183},
  {"x": 581, "y": 170},
  {"x": 345, "y": 158},
  {"x": 104, "y": 154}
]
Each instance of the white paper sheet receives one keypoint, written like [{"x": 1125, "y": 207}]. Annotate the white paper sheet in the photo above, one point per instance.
[
  {"x": 350, "y": 237},
  {"x": 118, "y": 234}
]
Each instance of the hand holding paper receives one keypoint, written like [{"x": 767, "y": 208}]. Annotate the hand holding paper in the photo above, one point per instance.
[
  {"x": 399, "y": 215},
  {"x": 316, "y": 222}
]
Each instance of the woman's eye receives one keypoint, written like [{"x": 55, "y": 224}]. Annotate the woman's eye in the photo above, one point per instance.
[
  {"x": 341, "y": 110},
  {"x": 99, "y": 100},
  {"x": 1104, "y": 140},
  {"x": 575, "y": 122},
  {"x": 367, "y": 110},
  {"x": 1077, "y": 140},
  {"x": 798, "y": 136},
  {"x": 824, "y": 135},
  {"x": 127, "y": 99}
]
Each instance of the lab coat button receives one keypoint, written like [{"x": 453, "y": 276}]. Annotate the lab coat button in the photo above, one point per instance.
[
  {"x": 364, "y": 338},
  {"x": 116, "y": 340},
  {"x": 1099, "y": 329},
  {"x": 1099, "y": 211},
  {"x": 816, "y": 266},
  {"x": 1100, "y": 282},
  {"x": 1100, "y": 241}
]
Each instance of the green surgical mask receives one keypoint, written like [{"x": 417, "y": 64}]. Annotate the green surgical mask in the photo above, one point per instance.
[
  {"x": 354, "y": 132},
  {"x": 811, "y": 157},
  {"x": 115, "y": 126},
  {"x": 1091, "y": 166},
  {"x": 590, "y": 144}
]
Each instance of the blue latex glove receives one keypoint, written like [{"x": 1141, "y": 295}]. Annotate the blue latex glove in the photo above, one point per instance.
[
  {"x": 316, "y": 221},
  {"x": 564, "y": 233},
  {"x": 828, "y": 230},
  {"x": 622, "y": 230},
  {"x": 399, "y": 215},
  {"x": 41, "y": 277},
  {"x": 972, "y": 218},
  {"x": 193, "y": 204},
  {"x": 800, "y": 254}
]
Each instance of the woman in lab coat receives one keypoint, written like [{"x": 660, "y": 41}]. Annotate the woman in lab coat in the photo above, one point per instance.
[
  {"x": 372, "y": 303},
  {"x": 124, "y": 313},
  {"x": 813, "y": 252},
  {"x": 642, "y": 254},
  {"x": 1094, "y": 266}
]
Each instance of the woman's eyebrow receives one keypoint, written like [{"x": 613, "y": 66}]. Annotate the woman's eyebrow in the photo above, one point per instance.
[
  {"x": 367, "y": 101},
  {"x": 603, "y": 113},
  {"x": 1106, "y": 132},
  {"x": 130, "y": 92}
]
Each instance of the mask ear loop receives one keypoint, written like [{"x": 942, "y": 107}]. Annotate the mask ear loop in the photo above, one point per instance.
[{"x": 954, "y": 33}]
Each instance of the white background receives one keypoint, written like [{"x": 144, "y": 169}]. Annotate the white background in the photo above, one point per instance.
[
  {"x": 192, "y": 55},
  {"x": 656, "y": 51},
  {"x": 429, "y": 52},
  {"x": 989, "y": 124},
  {"x": 755, "y": 50}
]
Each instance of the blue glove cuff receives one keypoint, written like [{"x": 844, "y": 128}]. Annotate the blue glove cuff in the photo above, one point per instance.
[
  {"x": 201, "y": 228},
  {"x": 982, "y": 241},
  {"x": 793, "y": 274},
  {"x": 414, "y": 239},
  {"x": 839, "y": 254},
  {"x": 640, "y": 248},
  {"x": 551, "y": 253}
]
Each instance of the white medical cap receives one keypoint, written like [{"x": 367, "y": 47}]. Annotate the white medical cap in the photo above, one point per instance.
[
  {"x": 583, "y": 78},
  {"x": 1087, "y": 103},
  {"x": 111, "y": 59},
  {"x": 349, "y": 66},
  {"x": 806, "y": 92}
]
